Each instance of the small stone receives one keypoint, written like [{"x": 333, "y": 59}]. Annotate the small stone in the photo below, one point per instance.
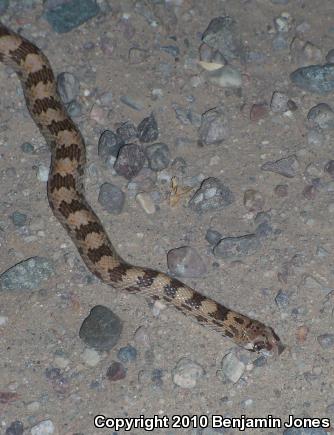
[
  {"x": 212, "y": 195},
  {"x": 214, "y": 127},
  {"x": 3, "y": 320},
  {"x": 131, "y": 102},
  {"x": 309, "y": 192},
  {"x": 326, "y": 341},
  {"x": 148, "y": 129},
  {"x": 282, "y": 299},
  {"x": 315, "y": 78},
  {"x": 321, "y": 116},
  {"x": 18, "y": 219},
  {"x": 232, "y": 367},
  {"x": 111, "y": 198},
  {"x": 130, "y": 160},
  {"x": 283, "y": 23},
  {"x": 127, "y": 131},
  {"x": 330, "y": 56},
  {"x": 45, "y": 427},
  {"x": 116, "y": 371},
  {"x": 329, "y": 168},
  {"x": 183, "y": 115},
  {"x": 141, "y": 337},
  {"x": 264, "y": 229},
  {"x": 74, "y": 109},
  {"x": 15, "y": 428},
  {"x": 68, "y": 87},
  {"x": 27, "y": 148},
  {"x": 237, "y": 247},
  {"x": 279, "y": 102},
  {"x": 213, "y": 236},
  {"x": 258, "y": 111},
  {"x": 109, "y": 144},
  {"x": 253, "y": 200},
  {"x": 43, "y": 173},
  {"x": 280, "y": 42},
  {"x": 101, "y": 329},
  {"x": 3, "y": 7},
  {"x": 281, "y": 190},
  {"x": 138, "y": 55},
  {"x": 186, "y": 262},
  {"x": 106, "y": 99},
  {"x": 146, "y": 202},
  {"x": 304, "y": 431},
  {"x": 127, "y": 354},
  {"x": 186, "y": 373},
  {"x": 91, "y": 357},
  {"x": 302, "y": 333},
  {"x": 315, "y": 137},
  {"x": 158, "y": 156},
  {"x": 173, "y": 50},
  {"x": 288, "y": 166},
  {"x": 225, "y": 77}
]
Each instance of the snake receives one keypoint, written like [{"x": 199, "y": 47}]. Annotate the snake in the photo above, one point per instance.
[{"x": 66, "y": 196}]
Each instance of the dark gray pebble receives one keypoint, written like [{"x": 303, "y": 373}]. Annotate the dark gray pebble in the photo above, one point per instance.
[
  {"x": 67, "y": 16},
  {"x": 101, "y": 329},
  {"x": 19, "y": 219},
  {"x": 127, "y": 131},
  {"x": 148, "y": 129},
  {"x": 186, "y": 262},
  {"x": 237, "y": 247},
  {"x": 116, "y": 371},
  {"x": 329, "y": 168},
  {"x": 27, "y": 148},
  {"x": 182, "y": 114},
  {"x": 288, "y": 166},
  {"x": 213, "y": 236},
  {"x": 330, "y": 56},
  {"x": 214, "y": 127},
  {"x": 111, "y": 198},
  {"x": 173, "y": 50},
  {"x": 3, "y": 6},
  {"x": 27, "y": 275},
  {"x": 263, "y": 230},
  {"x": 74, "y": 109},
  {"x": 131, "y": 102},
  {"x": 212, "y": 195},
  {"x": 130, "y": 160},
  {"x": 68, "y": 87},
  {"x": 315, "y": 78},
  {"x": 326, "y": 341},
  {"x": 158, "y": 156},
  {"x": 304, "y": 431},
  {"x": 321, "y": 116},
  {"x": 109, "y": 144},
  {"x": 15, "y": 428},
  {"x": 282, "y": 299},
  {"x": 127, "y": 354}
]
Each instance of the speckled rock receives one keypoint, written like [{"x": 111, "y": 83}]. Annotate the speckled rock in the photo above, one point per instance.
[
  {"x": 236, "y": 247},
  {"x": 45, "y": 427},
  {"x": 116, "y": 371},
  {"x": 214, "y": 127},
  {"x": 109, "y": 144},
  {"x": 315, "y": 78},
  {"x": 186, "y": 373},
  {"x": 111, "y": 198},
  {"x": 288, "y": 166},
  {"x": 321, "y": 116},
  {"x": 212, "y": 195},
  {"x": 148, "y": 129},
  {"x": 130, "y": 160},
  {"x": 186, "y": 262},
  {"x": 232, "y": 367},
  {"x": 158, "y": 156},
  {"x": 68, "y": 87},
  {"x": 15, "y": 428}
]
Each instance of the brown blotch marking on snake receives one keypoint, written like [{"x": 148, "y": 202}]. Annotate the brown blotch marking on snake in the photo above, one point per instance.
[
  {"x": 117, "y": 273},
  {"x": 220, "y": 314},
  {"x": 71, "y": 152},
  {"x": 228, "y": 333},
  {"x": 147, "y": 279},
  {"x": 95, "y": 254},
  {"x": 201, "y": 319},
  {"x": 42, "y": 105},
  {"x": 195, "y": 301},
  {"x": 85, "y": 229},
  {"x": 58, "y": 181},
  {"x": 56, "y": 126},
  {"x": 4, "y": 31},
  {"x": 66, "y": 208},
  {"x": 132, "y": 289},
  {"x": 44, "y": 75},
  {"x": 233, "y": 329},
  {"x": 239, "y": 320},
  {"x": 170, "y": 289},
  {"x": 22, "y": 51}
]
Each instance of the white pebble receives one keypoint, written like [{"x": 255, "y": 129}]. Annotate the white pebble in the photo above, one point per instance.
[
  {"x": 91, "y": 357},
  {"x": 45, "y": 427},
  {"x": 3, "y": 320},
  {"x": 186, "y": 373},
  {"x": 43, "y": 173},
  {"x": 146, "y": 202}
]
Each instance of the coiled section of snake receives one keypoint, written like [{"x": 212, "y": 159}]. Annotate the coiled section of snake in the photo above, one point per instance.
[{"x": 68, "y": 203}]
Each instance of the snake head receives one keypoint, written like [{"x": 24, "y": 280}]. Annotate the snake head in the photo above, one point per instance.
[{"x": 264, "y": 341}]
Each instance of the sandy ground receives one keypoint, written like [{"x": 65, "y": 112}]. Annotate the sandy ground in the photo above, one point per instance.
[{"x": 44, "y": 323}]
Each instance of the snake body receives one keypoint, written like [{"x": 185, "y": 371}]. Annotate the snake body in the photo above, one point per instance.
[{"x": 67, "y": 200}]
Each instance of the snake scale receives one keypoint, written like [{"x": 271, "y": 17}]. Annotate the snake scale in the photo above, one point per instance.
[{"x": 67, "y": 200}]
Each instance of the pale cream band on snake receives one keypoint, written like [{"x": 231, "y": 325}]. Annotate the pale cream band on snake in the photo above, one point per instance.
[{"x": 69, "y": 205}]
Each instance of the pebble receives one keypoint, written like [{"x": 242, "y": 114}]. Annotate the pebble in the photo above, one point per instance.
[
  {"x": 3, "y": 320},
  {"x": 68, "y": 87},
  {"x": 186, "y": 262},
  {"x": 222, "y": 35},
  {"x": 282, "y": 299},
  {"x": 127, "y": 131},
  {"x": 237, "y": 247},
  {"x": 263, "y": 230},
  {"x": 253, "y": 200},
  {"x": 258, "y": 111},
  {"x": 101, "y": 329},
  {"x": 111, "y": 198},
  {"x": 15, "y": 428},
  {"x": 309, "y": 192},
  {"x": 142, "y": 338},
  {"x": 329, "y": 168},
  {"x": 315, "y": 137},
  {"x": 138, "y": 55},
  {"x": 304, "y": 431},
  {"x": 146, "y": 202},
  {"x": 116, "y": 371},
  {"x": 232, "y": 368},
  {"x": 74, "y": 109},
  {"x": 213, "y": 236},
  {"x": 27, "y": 148},
  {"x": 279, "y": 102},
  {"x": 281, "y": 190},
  {"x": 130, "y": 160},
  {"x": 91, "y": 357},
  {"x": 280, "y": 42},
  {"x": 302, "y": 333},
  {"x": 127, "y": 354},
  {"x": 186, "y": 373},
  {"x": 27, "y": 275},
  {"x": 3, "y": 7},
  {"x": 45, "y": 427},
  {"x": 212, "y": 195},
  {"x": 42, "y": 173},
  {"x": 315, "y": 78},
  {"x": 148, "y": 129},
  {"x": 131, "y": 102},
  {"x": 225, "y": 77},
  {"x": 283, "y": 23},
  {"x": 330, "y": 56},
  {"x": 158, "y": 156},
  {"x": 326, "y": 341},
  {"x": 214, "y": 127},
  {"x": 70, "y": 14},
  {"x": 109, "y": 145},
  {"x": 183, "y": 115},
  {"x": 287, "y": 166},
  {"x": 321, "y": 116},
  {"x": 19, "y": 219}
]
